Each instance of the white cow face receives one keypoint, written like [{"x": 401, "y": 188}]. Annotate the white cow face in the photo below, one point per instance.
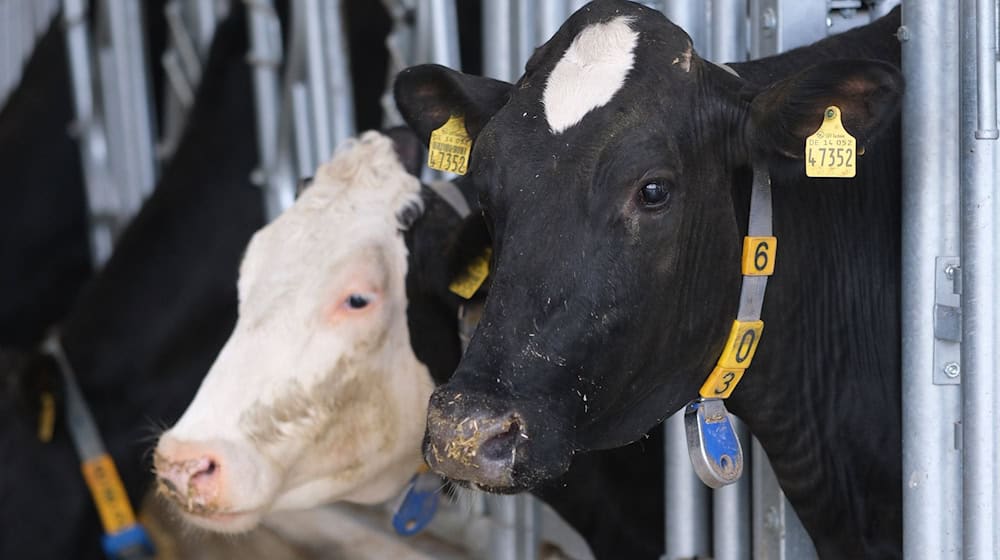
[{"x": 317, "y": 396}]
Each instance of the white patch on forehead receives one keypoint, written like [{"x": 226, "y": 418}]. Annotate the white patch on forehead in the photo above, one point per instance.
[{"x": 591, "y": 71}]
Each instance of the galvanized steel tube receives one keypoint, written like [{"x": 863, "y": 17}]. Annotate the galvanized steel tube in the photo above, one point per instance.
[
  {"x": 986, "y": 70},
  {"x": 731, "y": 537},
  {"x": 265, "y": 57},
  {"x": 691, "y": 15},
  {"x": 980, "y": 349},
  {"x": 339, "y": 83},
  {"x": 307, "y": 17},
  {"x": 686, "y": 506},
  {"x": 932, "y": 523},
  {"x": 498, "y": 40},
  {"x": 729, "y": 31}
]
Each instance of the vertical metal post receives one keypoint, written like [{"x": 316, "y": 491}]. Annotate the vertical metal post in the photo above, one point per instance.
[
  {"x": 686, "y": 506},
  {"x": 101, "y": 199},
  {"x": 777, "y": 532},
  {"x": 498, "y": 40},
  {"x": 777, "y": 26},
  {"x": 980, "y": 349},
  {"x": 265, "y": 57},
  {"x": 517, "y": 521},
  {"x": 728, "y": 31},
  {"x": 692, "y": 16},
  {"x": 524, "y": 33},
  {"x": 308, "y": 15},
  {"x": 551, "y": 15},
  {"x": 731, "y": 535},
  {"x": 339, "y": 82},
  {"x": 932, "y": 524},
  {"x": 127, "y": 105}
]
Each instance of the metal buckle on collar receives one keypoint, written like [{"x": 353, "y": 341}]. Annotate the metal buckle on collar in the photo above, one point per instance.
[
  {"x": 419, "y": 503},
  {"x": 714, "y": 448}
]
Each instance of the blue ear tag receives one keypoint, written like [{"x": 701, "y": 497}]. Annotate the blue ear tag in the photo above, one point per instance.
[
  {"x": 714, "y": 448},
  {"x": 419, "y": 504}
]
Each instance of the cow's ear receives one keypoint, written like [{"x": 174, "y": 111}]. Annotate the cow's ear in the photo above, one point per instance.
[
  {"x": 427, "y": 95},
  {"x": 782, "y": 116},
  {"x": 408, "y": 148}
]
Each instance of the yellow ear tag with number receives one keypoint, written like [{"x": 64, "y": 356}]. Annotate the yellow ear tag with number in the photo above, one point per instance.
[
  {"x": 469, "y": 281},
  {"x": 450, "y": 147},
  {"x": 831, "y": 151}
]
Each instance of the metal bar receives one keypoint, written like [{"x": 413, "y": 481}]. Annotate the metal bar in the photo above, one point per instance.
[
  {"x": 932, "y": 524},
  {"x": 187, "y": 52},
  {"x": 551, "y": 15},
  {"x": 265, "y": 57},
  {"x": 524, "y": 33},
  {"x": 338, "y": 84},
  {"x": 728, "y": 31},
  {"x": 986, "y": 70},
  {"x": 308, "y": 21},
  {"x": 443, "y": 29},
  {"x": 686, "y": 506},
  {"x": 731, "y": 535},
  {"x": 300, "y": 127},
  {"x": 777, "y": 532},
  {"x": 980, "y": 354},
  {"x": 127, "y": 78},
  {"x": 690, "y": 15},
  {"x": 498, "y": 40},
  {"x": 102, "y": 201}
]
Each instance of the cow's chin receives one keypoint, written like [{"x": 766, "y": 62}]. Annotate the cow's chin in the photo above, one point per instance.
[{"x": 231, "y": 522}]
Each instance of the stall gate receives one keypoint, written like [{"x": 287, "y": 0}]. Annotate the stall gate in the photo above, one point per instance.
[{"x": 302, "y": 88}]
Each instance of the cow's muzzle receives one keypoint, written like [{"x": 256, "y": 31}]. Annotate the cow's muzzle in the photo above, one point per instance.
[{"x": 469, "y": 440}]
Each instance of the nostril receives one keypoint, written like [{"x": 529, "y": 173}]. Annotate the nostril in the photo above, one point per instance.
[{"x": 501, "y": 446}]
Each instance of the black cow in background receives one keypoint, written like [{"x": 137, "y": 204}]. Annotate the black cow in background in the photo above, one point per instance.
[
  {"x": 44, "y": 247},
  {"x": 147, "y": 328}
]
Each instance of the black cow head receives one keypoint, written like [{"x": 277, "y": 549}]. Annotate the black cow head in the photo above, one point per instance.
[{"x": 609, "y": 176}]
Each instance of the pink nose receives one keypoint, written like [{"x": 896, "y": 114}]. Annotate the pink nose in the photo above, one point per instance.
[{"x": 189, "y": 474}]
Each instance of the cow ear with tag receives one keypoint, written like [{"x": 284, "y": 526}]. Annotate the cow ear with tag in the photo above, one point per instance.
[
  {"x": 428, "y": 95},
  {"x": 866, "y": 95}
]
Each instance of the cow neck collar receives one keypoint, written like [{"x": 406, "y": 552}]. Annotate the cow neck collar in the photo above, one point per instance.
[
  {"x": 123, "y": 535},
  {"x": 713, "y": 446}
]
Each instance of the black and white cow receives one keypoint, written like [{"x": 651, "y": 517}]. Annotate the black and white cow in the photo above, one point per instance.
[
  {"x": 615, "y": 178},
  {"x": 143, "y": 332}
]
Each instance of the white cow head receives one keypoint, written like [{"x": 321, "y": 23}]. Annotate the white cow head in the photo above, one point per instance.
[{"x": 317, "y": 395}]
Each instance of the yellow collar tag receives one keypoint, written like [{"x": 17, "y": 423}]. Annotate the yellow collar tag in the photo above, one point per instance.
[
  {"x": 109, "y": 494},
  {"x": 468, "y": 282},
  {"x": 450, "y": 147},
  {"x": 831, "y": 151}
]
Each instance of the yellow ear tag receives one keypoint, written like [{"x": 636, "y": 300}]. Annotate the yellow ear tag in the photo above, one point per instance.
[
  {"x": 450, "y": 147},
  {"x": 469, "y": 281},
  {"x": 831, "y": 151},
  {"x": 46, "y": 417}
]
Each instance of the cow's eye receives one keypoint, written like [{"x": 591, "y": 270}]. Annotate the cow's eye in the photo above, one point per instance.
[
  {"x": 654, "y": 194},
  {"x": 358, "y": 301}
]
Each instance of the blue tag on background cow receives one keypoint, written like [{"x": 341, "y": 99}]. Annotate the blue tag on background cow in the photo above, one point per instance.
[
  {"x": 419, "y": 504},
  {"x": 714, "y": 448}
]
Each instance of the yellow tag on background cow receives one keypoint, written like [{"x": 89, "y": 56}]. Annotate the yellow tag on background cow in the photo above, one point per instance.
[
  {"x": 831, "y": 151},
  {"x": 109, "y": 494},
  {"x": 469, "y": 281},
  {"x": 450, "y": 147},
  {"x": 46, "y": 417}
]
